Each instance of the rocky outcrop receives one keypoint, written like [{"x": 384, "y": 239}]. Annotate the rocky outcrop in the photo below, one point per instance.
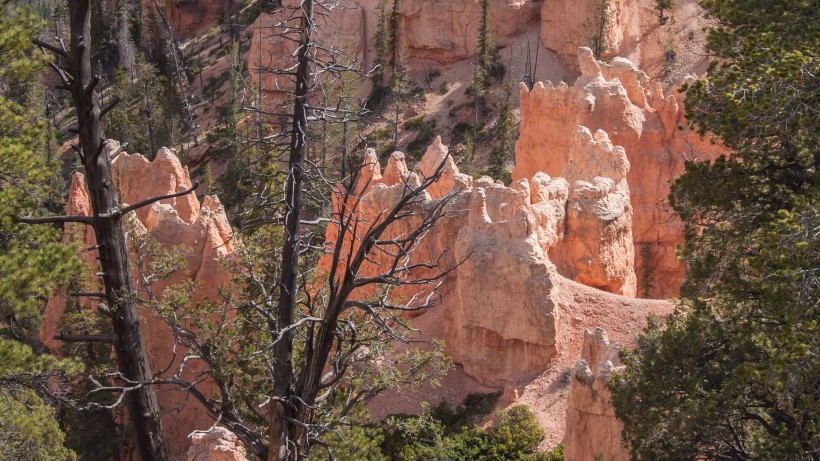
[
  {"x": 650, "y": 127},
  {"x": 508, "y": 306},
  {"x": 593, "y": 432},
  {"x": 218, "y": 444},
  {"x": 500, "y": 338},
  {"x": 597, "y": 246},
  {"x": 202, "y": 234}
]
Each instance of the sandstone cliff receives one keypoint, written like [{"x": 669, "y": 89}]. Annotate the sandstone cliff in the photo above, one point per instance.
[
  {"x": 650, "y": 127},
  {"x": 508, "y": 307},
  {"x": 186, "y": 17},
  {"x": 666, "y": 49},
  {"x": 437, "y": 32}
]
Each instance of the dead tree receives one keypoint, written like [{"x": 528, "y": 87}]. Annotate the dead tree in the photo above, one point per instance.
[
  {"x": 282, "y": 354},
  {"x": 107, "y": 220},
  {"x": 289, "y": 312},
  {"x": 323, "y": 322}
]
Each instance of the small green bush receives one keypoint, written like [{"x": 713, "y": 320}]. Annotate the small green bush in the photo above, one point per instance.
[
  {"x": 516, "y": 434},
  {"x": 415, "y": 123},
  {"x": 379, "y": 134},
  {"x": 556, "y": 454},
  {"x": 386, "y": 149},
  {"x": 444, "y": 88},
  {"x": 450, "y": 434}
]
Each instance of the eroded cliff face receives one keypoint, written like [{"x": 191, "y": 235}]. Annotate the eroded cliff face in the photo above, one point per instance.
[
  {"x": 186, "y": 17},
  {"x": 436, "y": 32},
  {"x": 593, "y": 432},
  {"x": 635, "y": 31},
  {"x": 648, "y": 124},
  {"x": 508, "y": 307},
  {"x": 203, "y": 233},
  {"x": 447, "y": 31}
]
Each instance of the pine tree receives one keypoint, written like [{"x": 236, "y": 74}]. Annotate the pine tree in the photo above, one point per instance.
[
  {"x": 505, "y": 134},
  {"x": 33, "y": 263},
  {"x": 599, "y": 28},
  {"x": 381, "y": 44},
  {"x": 734, "y": 373}
]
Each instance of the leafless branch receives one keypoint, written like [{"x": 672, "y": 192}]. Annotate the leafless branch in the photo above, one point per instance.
[{"x": 151, "y": 200}]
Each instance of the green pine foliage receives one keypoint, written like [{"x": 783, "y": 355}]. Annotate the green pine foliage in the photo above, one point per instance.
[
  {"x": 147, "y": 116},
  {"x": 598, "y": 28},
  {"x": 734, "y": 372},
  {"x": 447, "y": 434},
  {"x": 29, "y": 431},
  {"x": 33, "y": 262},
  {"x": 506, "y": 132}
]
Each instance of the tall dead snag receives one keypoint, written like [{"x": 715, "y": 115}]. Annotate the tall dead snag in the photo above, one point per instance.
[
  {"x": 283, "y": 367},
  {"x": 134, "y": 372}
]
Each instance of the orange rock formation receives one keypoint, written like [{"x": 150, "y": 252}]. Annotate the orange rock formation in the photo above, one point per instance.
[
  {"x": 593, "y": 431},
  {"x": 218, "y": 444},
  {"x": 503, "y": 321},
  {"x": 650, "y": 127}
]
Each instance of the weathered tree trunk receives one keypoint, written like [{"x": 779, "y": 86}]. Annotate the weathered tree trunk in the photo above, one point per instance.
[
  {"x": 125, "y": 48},
  {"x": 278, "y": 449},
  {"x": 143, "y": 409}
]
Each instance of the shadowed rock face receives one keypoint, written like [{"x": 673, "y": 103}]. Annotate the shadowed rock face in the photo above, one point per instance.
[
  {"x": 186, "y": 17},
  {"x": 200, "y": 229},
  {"x": 647, "y": 125},
  {"x": 593, "y": 431}
]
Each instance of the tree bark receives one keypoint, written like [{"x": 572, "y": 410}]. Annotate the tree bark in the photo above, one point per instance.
[
  {"x": 278, "y": 449},
  {"x": 143, "y": 409}
]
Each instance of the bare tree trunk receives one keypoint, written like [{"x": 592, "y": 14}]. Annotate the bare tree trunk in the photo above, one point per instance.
[
  {"x": 179, "y": 68},
  {"x": 125, "y": 48},
  {"x": 143, "y": 408},
  {"x": 283, "y": 367}
]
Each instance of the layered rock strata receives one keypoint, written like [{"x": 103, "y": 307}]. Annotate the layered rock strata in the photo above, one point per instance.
[{"x": 435, "y": 32}]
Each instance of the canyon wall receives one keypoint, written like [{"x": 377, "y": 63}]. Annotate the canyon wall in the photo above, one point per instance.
[
  {"x": 200, "y": 230},
  {"x": 186, "y": 17},
  {"x": 650, "y": 127},
  {"x": 431, "y": 34}
]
